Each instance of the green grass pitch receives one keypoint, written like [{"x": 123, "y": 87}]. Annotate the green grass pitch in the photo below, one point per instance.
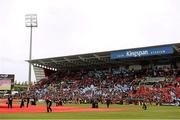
[{"x": 134, "y": 112}]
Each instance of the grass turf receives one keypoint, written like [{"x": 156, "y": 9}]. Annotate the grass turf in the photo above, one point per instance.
[{"x": 134, "y": 112}]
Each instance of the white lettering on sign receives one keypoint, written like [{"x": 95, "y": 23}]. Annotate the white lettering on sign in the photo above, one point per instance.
[{"x": 136, "y": 53}]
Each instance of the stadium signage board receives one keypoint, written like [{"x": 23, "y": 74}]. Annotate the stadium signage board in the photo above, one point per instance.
[
  {"x": 142, "y": 52},
  {"x": 6, "y": 81}
]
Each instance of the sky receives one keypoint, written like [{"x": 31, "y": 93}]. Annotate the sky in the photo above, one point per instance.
[{"x": 70, "y": 27}]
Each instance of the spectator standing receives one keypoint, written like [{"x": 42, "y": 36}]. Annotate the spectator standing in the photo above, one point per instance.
[
  {"x": 108, "y": 101},
  {"x": 28, "y": 98},
  {"x": 22, "y": 102},
  {"x": 49, "y": 104},
  {"x": 10, "y": 99}
]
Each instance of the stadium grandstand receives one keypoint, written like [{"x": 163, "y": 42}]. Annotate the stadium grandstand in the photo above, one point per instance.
[
  {"x": 148, "y": 74},
  {"x": 103, "y": 59}
]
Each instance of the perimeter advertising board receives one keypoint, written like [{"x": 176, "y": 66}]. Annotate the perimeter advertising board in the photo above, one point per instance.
[{"x": 6, "y": 81}]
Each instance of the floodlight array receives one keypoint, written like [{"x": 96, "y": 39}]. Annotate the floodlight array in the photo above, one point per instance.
[{"x": 45, "y": 67}]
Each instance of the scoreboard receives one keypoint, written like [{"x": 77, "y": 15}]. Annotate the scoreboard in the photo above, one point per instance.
[{"x": 6, "y": 81}]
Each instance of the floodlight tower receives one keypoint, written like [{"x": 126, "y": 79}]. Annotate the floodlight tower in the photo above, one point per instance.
[{"x": 30, "y": 21}]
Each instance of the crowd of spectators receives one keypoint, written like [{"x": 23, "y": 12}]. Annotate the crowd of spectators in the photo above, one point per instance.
[{"x": 121, "y": 85}]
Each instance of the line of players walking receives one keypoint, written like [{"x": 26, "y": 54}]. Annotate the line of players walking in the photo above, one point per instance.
[{"x": 48, "y": 101}]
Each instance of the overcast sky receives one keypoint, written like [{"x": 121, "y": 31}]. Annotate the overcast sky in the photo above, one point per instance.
[{"x": 68, "y": 27}]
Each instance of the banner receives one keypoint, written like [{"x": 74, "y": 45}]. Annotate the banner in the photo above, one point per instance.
[
  {"x": 142, "y": 52},
  {"x": 6, "y": 81}
]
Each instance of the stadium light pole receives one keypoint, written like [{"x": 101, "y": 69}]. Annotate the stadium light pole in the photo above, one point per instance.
[{"x": 30, "y": 21}]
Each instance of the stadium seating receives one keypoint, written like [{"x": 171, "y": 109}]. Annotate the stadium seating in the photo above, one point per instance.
[{"x": 79, "y": 86}]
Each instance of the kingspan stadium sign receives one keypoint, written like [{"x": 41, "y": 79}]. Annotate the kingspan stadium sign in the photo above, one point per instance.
[{"x": 142, "y": 52}]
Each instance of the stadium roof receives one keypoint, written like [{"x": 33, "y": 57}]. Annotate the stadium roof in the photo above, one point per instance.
[{"x": 98, "y": 59}]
